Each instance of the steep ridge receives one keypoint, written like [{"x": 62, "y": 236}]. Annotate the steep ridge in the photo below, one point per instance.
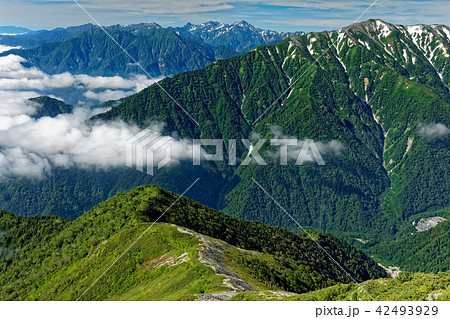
[
  {"x": 36, "y": 38},
  {"x": 159, "y": 51},
  {"x": 49, "y": 258}
]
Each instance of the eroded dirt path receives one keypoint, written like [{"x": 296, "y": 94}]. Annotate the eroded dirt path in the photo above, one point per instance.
[{"x": 212, "y": 254}]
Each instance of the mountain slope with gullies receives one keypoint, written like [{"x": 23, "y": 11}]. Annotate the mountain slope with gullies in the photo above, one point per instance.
[
  {"x": 159, "y": 51},
  {"x": 357, "y": 87},
  {"x": 182, "y": 257}
]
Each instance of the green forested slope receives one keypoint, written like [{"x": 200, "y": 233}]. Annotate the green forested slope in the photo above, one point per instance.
[
  {"x": 159, "y": 51},
  {"x": 50, "y": 107},
  {"x": 68, "y": 193},
  {"x": 377, "y": 180},
  {"x": 407, "y": 287},
  {"x": 428, "y": 250},
  {"x": 219, "y": 100},
  {"x": 49, "y": 258}
]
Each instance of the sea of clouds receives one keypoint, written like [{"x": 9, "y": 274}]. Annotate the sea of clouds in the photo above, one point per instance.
[{"x": 32, "y": 147}]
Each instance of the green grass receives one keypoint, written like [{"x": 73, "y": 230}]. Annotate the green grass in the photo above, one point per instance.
[
  {"x": 414, "y": 287},
  {"x": 127, "y": 280},
  {"x": 49, "y": 258}
]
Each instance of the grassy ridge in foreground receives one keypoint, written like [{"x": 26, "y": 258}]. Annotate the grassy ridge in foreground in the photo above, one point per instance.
[
  {"x": 49, "y": 258},
  {"x": 407, "y": 287}
]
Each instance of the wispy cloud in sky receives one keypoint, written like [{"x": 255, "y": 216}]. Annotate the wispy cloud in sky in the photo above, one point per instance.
[{"x": 287, "y": 15}]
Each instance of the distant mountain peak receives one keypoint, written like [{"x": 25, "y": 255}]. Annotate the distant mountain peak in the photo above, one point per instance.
[
  {"x": 242, "y": 23},
  {"x": 211, "y": 23},
  {"x": 240, "y": 36},
  {"x": 144, "y": 24},
  {"x": 11, "y": 30},
  {"x": 51, "y": 107}
]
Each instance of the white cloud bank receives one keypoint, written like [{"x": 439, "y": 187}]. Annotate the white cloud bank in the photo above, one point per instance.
[
  {"x": 4, "y": 48},
  {"x": 32, "y": 147}
]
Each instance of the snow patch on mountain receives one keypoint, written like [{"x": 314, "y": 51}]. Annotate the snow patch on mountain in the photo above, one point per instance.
[
  {"x": 310, "y": 47},
  {"x": 383, "y": 28},
  {"x": 416, "y": 32},
  {"x": 447, "y": 32}
]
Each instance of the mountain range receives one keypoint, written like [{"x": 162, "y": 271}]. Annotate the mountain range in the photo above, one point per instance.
[
  {"x": 240, "y": 36},
  {"x": 13, "y": 31},
  {"x": 161, "y": 51},
  {"x": 374, "y": 97}
]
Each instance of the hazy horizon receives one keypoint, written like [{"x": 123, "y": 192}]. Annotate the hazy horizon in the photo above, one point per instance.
[{"x": 283, "y": 15}]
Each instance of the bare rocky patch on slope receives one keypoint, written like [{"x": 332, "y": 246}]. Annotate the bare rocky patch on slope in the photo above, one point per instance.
[{"x": 212, "y": 254}]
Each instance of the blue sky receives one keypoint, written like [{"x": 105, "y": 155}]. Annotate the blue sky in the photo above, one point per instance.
[{"x": 281, "y": 15}]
